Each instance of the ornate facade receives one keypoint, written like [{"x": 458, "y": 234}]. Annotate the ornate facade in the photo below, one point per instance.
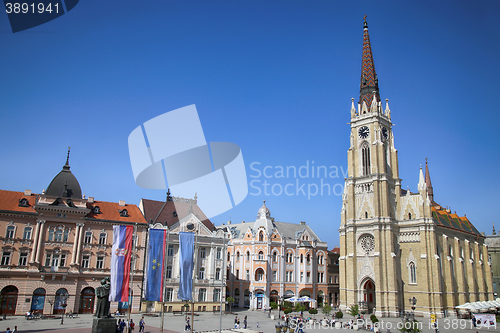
[
  {"x": 271, "y": 261},
  {"x": 397, "y": 245},
  {"x": 56, "y": 248}
]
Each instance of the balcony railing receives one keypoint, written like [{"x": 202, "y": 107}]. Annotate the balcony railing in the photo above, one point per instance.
[{"x": 54, "y": 269}]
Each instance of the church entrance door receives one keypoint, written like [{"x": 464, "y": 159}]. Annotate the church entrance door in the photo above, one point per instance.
[{"x": 369, "y": 295}]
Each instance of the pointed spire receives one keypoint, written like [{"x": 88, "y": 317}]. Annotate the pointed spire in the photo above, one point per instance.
[
  {"x": 353, "y": 108},
  {"x": 369, "y": 81},
  {"x": 421, "y": 180},
  {"x": 66, "y": 166},
  {"x": 428, "y": 181},
  {"x": 494, "y": 232}
]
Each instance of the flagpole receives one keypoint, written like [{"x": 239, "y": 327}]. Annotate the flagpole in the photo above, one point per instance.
[
  {"x": 194, "y": 276},
  {"x": 134, "y": 238},
  {"x": 165, "y": 262},
  {"x": 222, "y": 279}
]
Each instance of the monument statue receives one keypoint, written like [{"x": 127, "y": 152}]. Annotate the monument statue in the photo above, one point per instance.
[{"x": 102, "y": 293}]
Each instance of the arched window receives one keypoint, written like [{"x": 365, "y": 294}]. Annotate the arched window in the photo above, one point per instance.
[
  {"x": 27, "y": 232},
  {"x": 102, "y": 238},
  {"x": 261, "y": 236},
  {"x": 248, "y": 255},
  {"x": 301, "y": 258},
  {"x": 259, "y": 275},
  {"x": 413, "y": 272},
  {"x": 58, "y": 236},
  {"x": 409, "y": 216},
  {"x": 261, "y": 255},
  {"x": 275, "y": 256},
  {"x": 237, "y": 256},
  {"x": 202, "y": 273},
  {"x": 365, "y": 158},
  {"x": 308, "y": 258},
  {"x": 228, "y": 256},
  {"x": 450, "y": 250}
]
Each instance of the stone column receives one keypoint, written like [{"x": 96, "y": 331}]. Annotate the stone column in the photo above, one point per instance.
[
  {"x": 79, "y": 244},
  {"x": 35, "y": 242},
  {"x": 40, "y": 240},
  {"x": 75, "y": 244}
]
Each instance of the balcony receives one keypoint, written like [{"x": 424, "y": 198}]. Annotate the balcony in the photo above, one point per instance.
[{"x": 54, "y": 269}]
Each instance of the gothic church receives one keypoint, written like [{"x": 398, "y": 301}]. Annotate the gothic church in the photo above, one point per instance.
[{"x": 400, "y": 249}]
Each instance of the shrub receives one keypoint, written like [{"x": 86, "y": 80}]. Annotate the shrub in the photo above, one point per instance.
[
  {"x": 339, "y": 315},
  {"x": 313, "y": 311},
  {"x": 327, "y": 309},
  {"x": 273, "y": 305},
  {"x": 354, "y": 310},
  {"x": 287, "y": 310},
  {"x": 374, "y": 318},
  {"x": 300, "y": 307}
]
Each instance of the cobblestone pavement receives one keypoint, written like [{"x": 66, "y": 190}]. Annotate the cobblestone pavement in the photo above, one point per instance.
[{"x": 209, "y": 322}]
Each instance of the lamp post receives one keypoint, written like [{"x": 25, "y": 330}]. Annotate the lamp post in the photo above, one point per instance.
[
  {"x": 64, "y": 304},
  {"x": 413, "y": 301}
]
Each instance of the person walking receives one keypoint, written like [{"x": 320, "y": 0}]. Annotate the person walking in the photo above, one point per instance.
[
  {"x": 188, "y": 325},
  {"x": 141, "y": 324},
  {"x": 132, "y": 326},
  {"x": 245, "y": 322}
]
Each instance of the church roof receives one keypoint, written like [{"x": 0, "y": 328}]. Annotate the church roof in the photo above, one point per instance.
[
  {"x": 64, "y": 184},
  {"x": 444, "y": 217},
  {"x": 369, "y": 81}
]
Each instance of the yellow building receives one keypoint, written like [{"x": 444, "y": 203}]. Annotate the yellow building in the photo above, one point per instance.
[
  {"x": 396, "y": 246},
  {"x": 269, "y": 261}
]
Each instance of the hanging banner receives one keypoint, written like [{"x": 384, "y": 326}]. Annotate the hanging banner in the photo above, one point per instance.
[{"x": 186, "y": 253}]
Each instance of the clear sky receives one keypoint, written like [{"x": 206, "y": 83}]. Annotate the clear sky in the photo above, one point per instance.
[{"x": 274, "y": 77}]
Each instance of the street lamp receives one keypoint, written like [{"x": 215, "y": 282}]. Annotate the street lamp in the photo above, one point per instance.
[{"x": 413, "y": 301}]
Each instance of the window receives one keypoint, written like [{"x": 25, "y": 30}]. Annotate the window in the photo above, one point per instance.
[
  {"x": 51, "y": 234},
  {"x": 308, "y": 258},
  {"x": 336, "y": 279},
  {"x": 203, "y": 253},
  {"x": 102, "y": 238},
  {"x": 202, "y": 295},
  {"x": 217, "y": 273},
  {"x": 248, "y": 256},
  {"x": 237, "y": 256},
  {"x": 228, "y": 256},
  {"x": 58, "y": 236},
  {"x": 27, "y": 233},
  {"x": 10, "y": 231},
  {"x": 412, "y": 272},
  {"x": 202, "y": 273},
  {"x": 301, "y": 258},
  {"x": 259, "y": 275},
  {"x": 100, "y": 262},
  {"x": 289, "y": 257},
  {"x": 48, "y": 259},
  {"x": 261, "y": 236},
  {"x": 216, "y": 295},
  {"x": 320, "y": 260},
  {"x": 169, "y": 272},
  {"x": 237, "y": 274},
  {"x": 66, "y": 235},
  {"x": 261, "y": 255},
  {"x": 170, "y": 250},
  {"x": 275, "y": 276},
  {"x": 63, "y": 260},
  {"x": 5, "y": 258},
  {"x": 169, "y": 295},
  {"x": 320, "y": 277},
  {"x": 308, "y": 277},
  {"x": 301, "y": 276},
  {"x": 219, "y": 253},
  {"x": 85, "y": 261},
  {"x": 289, "y": 276},
  {"x": 248, "y": 275},
  {"x": 275, "y": 257},
  {"x": 365, "y": 158},
  {"x": 23, "y": 258},
  {"x": 88, "y": 237}
]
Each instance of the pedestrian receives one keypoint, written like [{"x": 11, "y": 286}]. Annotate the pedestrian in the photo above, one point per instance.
[
  {"x": 474, "y": 320},
  {"x": 236, "y": 322},
  {"x": 257, "y": 324},
  {"x": 15, "y": 329},
  {"x": 141, "y": 324},
  {"x": 132, "y": 326},
  {"x": 188, "y": 325},
  {"x": 123, "y": 324},
  {"x": 245, "y": 323},
  {"x": 8, "y": 330}
]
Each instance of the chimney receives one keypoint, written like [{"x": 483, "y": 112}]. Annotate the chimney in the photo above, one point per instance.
[
  {"x": 91, "y": 200},
  {"x": 121, "y": 203},
  {"x": 242, "y": 221},
  {"x": 27, "y": 193},
  {"x": 228, "y": 222},
  {"x": 302, "y": 223}
]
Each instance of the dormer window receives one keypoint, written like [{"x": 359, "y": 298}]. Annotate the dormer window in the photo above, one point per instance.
[
  {"x": 123, "y": 213},
  {"x": 24, "y": 202},
  {"x": 96, "y": 210},
  {"x": 174, "y": 214}
]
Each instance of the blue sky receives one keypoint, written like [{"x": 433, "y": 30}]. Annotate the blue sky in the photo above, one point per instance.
[{"x": 274, "y": 77}]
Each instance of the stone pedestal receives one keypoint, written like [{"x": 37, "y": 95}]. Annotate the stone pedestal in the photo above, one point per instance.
[{"x": 104, "y": 325}]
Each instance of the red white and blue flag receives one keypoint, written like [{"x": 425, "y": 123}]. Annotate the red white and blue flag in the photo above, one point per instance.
[{"x": 121, "y": 255}]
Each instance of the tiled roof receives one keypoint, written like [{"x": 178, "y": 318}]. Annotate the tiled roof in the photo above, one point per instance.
[
  {"x": 446, "y": 218},
  {"x": 111, "y": 211},
  {"x": 287, "y": 230},
  {"x": 335, "y": 250},
  {"x": 369, "y": 82},
  {"x": 163, "y": 212},
  {"x": 9, "y": 201}
]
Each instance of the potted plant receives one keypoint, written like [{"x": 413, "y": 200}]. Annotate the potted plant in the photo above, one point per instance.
[{"x": 338, "y": 315}]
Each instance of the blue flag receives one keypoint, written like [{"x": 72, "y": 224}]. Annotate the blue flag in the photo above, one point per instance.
[
  {"x": 154, "y": 266},
  {"x": 186, "y": 252}
]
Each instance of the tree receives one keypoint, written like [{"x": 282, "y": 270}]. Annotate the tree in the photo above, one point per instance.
[
  {"x": 339, "y": 315},
  {"x": 287, "y": 310},
  {"x": 374, "y": 318},
  {"x": 300, "y": 307},
  {"x": 273, "y": 305},
  {"x": 230, "y": 301},
  {"x": 313, "y": 312},
  {"x": 327, "y": 309},
  {"x": 354, "y": 310}
]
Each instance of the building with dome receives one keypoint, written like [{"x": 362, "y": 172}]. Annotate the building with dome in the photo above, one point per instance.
[
  {"x": 56, "y": 248},
  {"x": 269, "y": 261},
  {"x": 400, "y": 251}
]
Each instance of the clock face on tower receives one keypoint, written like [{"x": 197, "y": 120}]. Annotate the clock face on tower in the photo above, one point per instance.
[
  {"x": 363, "y": 132},
  {"x": 385, "y": 133}
]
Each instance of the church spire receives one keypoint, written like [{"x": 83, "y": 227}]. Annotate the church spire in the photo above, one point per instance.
[
  {"x": 428, "y": 181},
  {"x": 369, "y": 81}
]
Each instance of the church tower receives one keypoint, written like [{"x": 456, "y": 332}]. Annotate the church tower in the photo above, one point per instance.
[{"x": 372, "y": 189}]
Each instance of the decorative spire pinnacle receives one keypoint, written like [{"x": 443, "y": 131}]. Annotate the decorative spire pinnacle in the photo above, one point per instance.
[
  {"x": 494, "y": 232},
  {"x": 66, "y": 166},
  {"x": 428, "y": 182},
  {"x": 369, "y": 81}
]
